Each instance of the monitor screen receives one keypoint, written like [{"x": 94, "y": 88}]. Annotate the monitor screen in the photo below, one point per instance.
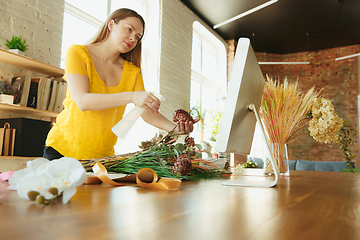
[{"x": 246, "y": 86}]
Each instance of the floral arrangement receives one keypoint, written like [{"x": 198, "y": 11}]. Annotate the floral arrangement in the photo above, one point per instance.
[
  {"x": 167, "y": 159},
  {"x": 283, "y": 111},
  {"x": 44, "y": 181},
  {"x": 326, "y": 126},
  {"x": 5, "y": 87},
  {"x": 325, "y": 123},
  {"x": 167, "y": 155},
  {"x": 198, "y": 113}
]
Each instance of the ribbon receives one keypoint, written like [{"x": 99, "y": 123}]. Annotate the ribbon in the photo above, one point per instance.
[
  {"x": 157, "y": 183},
  {"x": 145, "y": 177},
  {"x": 101, "y": 172}
]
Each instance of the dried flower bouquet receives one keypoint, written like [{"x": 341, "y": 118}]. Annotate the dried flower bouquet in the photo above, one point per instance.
[
  {"x": 283, "y": 111},
  {"x": 327, "y": 127},
  {"x": 166, "y": 156}
]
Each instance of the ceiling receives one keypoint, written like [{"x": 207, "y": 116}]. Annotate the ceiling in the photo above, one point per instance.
[{"x": 287, "y": 26}]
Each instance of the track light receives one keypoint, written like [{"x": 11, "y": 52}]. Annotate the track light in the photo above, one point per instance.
[
  {"x": 245, "y": 13},
  {"x": 265, "y": 63},
  {"x": 349, "y": 56}
]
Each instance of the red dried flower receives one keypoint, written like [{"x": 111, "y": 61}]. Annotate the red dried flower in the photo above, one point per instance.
[
  {"x": 190, "y": 142},
  {"x": 181, "y": 115},
  {"x": 182, "y": 165}
]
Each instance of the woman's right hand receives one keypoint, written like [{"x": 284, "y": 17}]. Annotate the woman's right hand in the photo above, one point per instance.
[{"x": 146, "y": 100}]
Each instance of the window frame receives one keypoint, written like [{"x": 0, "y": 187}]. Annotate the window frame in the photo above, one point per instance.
[{"x": 219, "y": 82}]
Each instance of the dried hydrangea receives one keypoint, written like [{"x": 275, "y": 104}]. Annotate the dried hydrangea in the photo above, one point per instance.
[
  {"x": 5, "y": 87},
  {"x": 325, "y": 123}
]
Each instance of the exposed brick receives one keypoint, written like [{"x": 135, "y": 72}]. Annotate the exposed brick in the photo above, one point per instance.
[
  {"x": 339, "y": 79},
  {"x": 175, "y": 54}
]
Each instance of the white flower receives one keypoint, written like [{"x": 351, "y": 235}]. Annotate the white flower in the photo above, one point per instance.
[
  {"x": 23, "y": 174},
  {"x": 65, "y": 174}
]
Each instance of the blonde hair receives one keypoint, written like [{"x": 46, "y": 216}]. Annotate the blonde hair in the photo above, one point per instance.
[{"x": 134, "y": 55}]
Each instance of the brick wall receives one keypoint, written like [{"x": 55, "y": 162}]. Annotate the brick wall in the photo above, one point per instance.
[
  {"x": 176, "y": 29},
  {"x": 175, "y": 58},
  {"x": 340, "y": 82},
  {"x": 40, "y": 22}
]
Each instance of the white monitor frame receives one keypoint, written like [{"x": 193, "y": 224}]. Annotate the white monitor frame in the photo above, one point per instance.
[{"x": 238, "y": 121}]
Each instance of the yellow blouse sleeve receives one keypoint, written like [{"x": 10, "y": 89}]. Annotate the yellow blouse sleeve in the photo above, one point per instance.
[
  {"x": 75, "y": 61},
  {"x": 139, "y": 84}
]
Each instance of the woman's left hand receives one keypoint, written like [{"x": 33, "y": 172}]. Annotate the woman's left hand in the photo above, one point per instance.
[{"x": 186, "y": 127}]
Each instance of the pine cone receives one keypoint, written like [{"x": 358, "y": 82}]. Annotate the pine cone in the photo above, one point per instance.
[
  {"x": 182, "y": 116},
  {"x": 182, "y": 165}
]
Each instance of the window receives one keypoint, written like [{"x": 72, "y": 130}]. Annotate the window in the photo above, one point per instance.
[
  {"x": 208, "y": 79},
  {"x": 83, "y": 18},
  {"x": 72, "y": 35}
]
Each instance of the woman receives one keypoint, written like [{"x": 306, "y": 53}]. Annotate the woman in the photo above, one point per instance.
[{"x": 103, "y": 77}]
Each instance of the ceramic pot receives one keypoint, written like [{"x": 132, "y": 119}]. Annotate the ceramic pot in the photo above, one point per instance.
[
  {"x": 17, "y": 51},
  {"x": 5, "y": 98}
]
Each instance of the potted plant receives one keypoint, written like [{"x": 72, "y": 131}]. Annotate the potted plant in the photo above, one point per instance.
[
  {"x": 16, "y": 44},
  {"x": 6, "y": 92},
  {"x": 197, "y": 112}
]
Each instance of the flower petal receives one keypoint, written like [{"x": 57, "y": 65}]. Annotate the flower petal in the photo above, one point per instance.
[
  {"x": 68, "y": 193},
  {"x": 79, "y": 176},
  {"x": 72, "y": 162},
  {"x": 34, "y": 164},
  {"x": 17, "y": 176},
  {"x": 34, "y": 183}
]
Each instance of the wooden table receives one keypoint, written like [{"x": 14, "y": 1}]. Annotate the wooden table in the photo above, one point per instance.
[{"x": 308, "y": 205}]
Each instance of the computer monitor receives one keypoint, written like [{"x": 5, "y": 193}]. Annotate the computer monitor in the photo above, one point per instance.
[
  {"x": 239, "y": 117},
  {"x": 246, "y": 86}
]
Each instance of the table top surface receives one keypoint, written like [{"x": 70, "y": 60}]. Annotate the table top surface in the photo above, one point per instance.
[{"x": 306, "y": 205}]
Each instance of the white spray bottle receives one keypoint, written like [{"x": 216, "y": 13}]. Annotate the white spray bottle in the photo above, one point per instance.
[{"x": 122, "y": 128}]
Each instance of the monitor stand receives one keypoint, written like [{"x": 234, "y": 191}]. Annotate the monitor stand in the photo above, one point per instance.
[{"x": 259, "y": 182}]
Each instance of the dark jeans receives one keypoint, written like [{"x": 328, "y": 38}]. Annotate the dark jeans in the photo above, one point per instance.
[{"x": 51, "y": 154}]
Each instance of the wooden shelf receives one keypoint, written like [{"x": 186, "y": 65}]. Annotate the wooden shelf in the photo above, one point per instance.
[
  {"x": 30, "y": 64},
  {"x": 27, "y": 110},
  {"x": 13, "y": 163}
]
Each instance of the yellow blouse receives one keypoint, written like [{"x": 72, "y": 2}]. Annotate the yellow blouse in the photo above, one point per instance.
[{"x": 87, "y": 134}]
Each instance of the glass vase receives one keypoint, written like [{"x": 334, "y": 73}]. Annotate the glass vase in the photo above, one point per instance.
[{"x": 280, "y": 154}]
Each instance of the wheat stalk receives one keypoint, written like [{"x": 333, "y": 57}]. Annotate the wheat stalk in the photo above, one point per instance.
[{"x": 283, "y": 111}]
